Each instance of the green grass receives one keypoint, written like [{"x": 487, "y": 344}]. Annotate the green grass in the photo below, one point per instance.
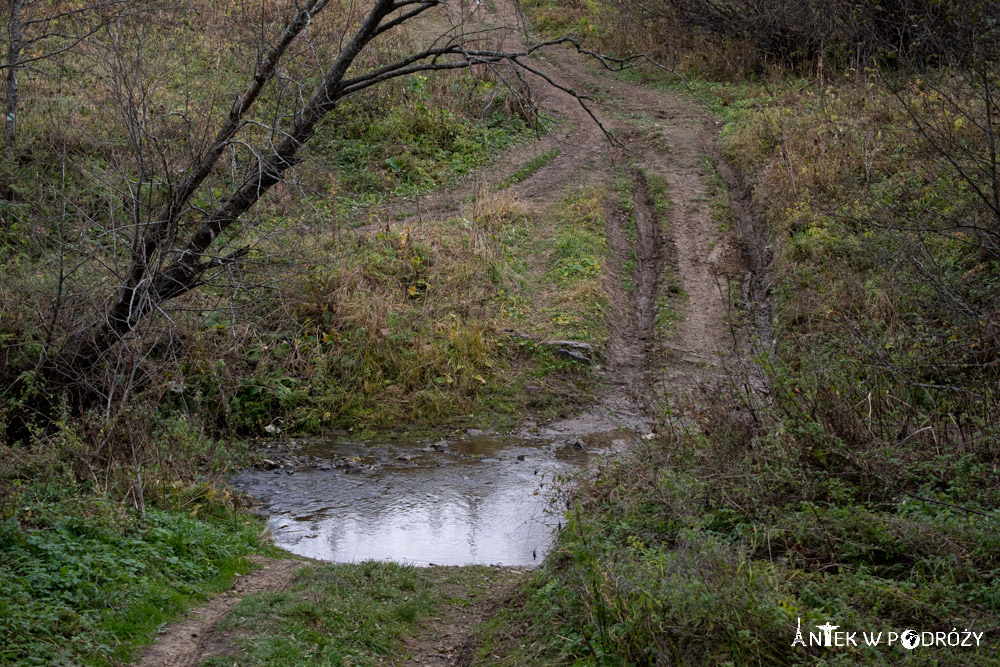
[
  {"x": 530, "y": 168},
  {"x": 88, "y": 581},
  {"x": 401, "y": 140},
  {"x": 412, "y": 148},
  {"x": 349, "y": 614},
  {"x": 665, "y": 558},
  {"x": 863, "y": 490},
  {"x": 574, "y": 250},
  {"x": 330, "y": 615},
  {"x": 659, "y": 193},
  {"x": 404, "y": 330}
]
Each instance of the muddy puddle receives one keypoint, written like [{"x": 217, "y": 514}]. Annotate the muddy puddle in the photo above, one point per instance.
[{"x": 472, "y": 500}]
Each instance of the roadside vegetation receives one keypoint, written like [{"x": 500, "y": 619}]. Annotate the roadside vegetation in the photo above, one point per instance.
[
  {"x": 346, "y": 614},
  {"x": 859, "y": 485},
  {"x": 88, "y": 578},
  {"x": 115, "y": 517}
]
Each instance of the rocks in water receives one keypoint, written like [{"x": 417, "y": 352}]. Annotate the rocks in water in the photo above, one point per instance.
[{"x": 576, "y": 444}]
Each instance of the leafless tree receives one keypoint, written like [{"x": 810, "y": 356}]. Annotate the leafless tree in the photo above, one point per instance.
[
  {"x": 180, "y": 233},
  {"x": 37, "y": 31}
]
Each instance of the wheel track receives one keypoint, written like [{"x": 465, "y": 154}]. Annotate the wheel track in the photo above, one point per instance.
[{"x": 623, "y": 401}]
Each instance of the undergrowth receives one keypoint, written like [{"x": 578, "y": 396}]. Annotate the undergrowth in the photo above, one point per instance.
[
  {"x": 701, "y": 549},
  {"x": 859, "y": 486},
  {"x": 349, "y": 614},
  {"x": 88, "y": 580}
]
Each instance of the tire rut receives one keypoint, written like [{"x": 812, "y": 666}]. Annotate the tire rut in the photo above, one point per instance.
[
  {"x": 191, "y": 641},
  {"x": 634, "y": 236},
  {"x": 684, "y": 244}
]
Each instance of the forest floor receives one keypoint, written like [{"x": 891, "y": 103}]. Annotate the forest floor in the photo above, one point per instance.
[{"x": 672, "y": 256}]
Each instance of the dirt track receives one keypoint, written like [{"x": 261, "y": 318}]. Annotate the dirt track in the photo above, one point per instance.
[
  {"x": 683, "y": 157},
  {"x": 195, "y": 639},
  {"x": 680, "y": 154}
]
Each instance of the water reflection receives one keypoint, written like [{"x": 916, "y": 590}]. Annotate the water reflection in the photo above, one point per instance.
[{"x": 476, "y": 501}]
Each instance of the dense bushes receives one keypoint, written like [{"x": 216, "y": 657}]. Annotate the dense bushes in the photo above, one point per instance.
[
  {"x": 732, "y": 38},
  {"x": 862, "y": 488},
  {"x": 912, "y": 30}
]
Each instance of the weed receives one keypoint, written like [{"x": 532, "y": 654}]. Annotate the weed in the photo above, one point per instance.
[
  {"x": 331, "y": 614},
  {"x": 88, "y": 581},
  {"x": 530, "y": 168}
]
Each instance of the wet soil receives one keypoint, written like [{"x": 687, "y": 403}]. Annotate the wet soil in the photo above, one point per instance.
[
  {"x": 445, "y": 638},
  {"x": 705, "y": 260}
]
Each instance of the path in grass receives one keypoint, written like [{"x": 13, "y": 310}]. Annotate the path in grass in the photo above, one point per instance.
[
  {"x": 667, "y": 285},
  {"x": 191, "y": 640},
  {"x": 671, "y": 262}
]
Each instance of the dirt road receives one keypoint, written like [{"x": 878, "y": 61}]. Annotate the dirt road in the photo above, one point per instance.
[{"x": 660, "y": 135}]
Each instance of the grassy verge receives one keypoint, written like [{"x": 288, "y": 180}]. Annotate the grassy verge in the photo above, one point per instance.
[
  {"x": 334, "y": 614},
  {"x": 560, "y": 266},
  {"x": 88, "y": 581},
  {"x": 405, "y": 328},
  {"x": 343, "y": 614},
  {"x": 712, "y": 558},
  {"x": 862, "y": 491}
]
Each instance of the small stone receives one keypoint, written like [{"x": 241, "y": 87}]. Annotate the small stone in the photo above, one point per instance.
[
  {"x": 572, "y": 345},
  {"x": 573, "y": 355}
]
